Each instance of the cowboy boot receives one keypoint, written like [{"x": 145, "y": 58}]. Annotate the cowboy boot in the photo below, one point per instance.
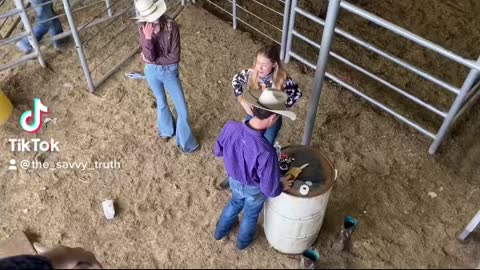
[
  {"x": 309, "y": 258},
  {"x": 344, "y": 242}
]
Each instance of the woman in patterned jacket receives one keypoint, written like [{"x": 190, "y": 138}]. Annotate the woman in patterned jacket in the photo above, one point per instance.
[{"x": 267, "y": 72}]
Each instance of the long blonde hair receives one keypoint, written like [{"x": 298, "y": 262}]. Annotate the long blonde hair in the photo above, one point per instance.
[{"x": 279, "y": 77}]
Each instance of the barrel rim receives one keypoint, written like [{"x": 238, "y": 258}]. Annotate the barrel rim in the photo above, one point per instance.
[{"x": 332, "y": 174}]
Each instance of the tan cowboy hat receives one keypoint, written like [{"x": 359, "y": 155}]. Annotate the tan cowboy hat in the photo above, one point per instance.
[
  {"x": 149, "y": 11},
  {"x": 272, "y": 100}
]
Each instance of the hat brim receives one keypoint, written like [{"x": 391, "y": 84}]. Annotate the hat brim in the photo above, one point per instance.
[
  {"x": 161, "y": 9},
  {"x": 251, "y": 98}
]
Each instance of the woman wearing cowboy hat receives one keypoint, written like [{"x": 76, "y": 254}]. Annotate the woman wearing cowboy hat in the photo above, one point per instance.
[
  {"x": 251, "y": 163},
  {"x": 160, "y": 40}
]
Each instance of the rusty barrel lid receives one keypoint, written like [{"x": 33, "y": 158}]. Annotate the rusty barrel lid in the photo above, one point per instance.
[{"x": 320, "y": 171}]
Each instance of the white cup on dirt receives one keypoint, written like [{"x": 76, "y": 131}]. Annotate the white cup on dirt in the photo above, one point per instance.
[{"x": 108, "y": 209}]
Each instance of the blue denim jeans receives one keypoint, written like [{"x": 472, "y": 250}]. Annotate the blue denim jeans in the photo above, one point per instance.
[
  {"x": 271, "y": 134},
  {"x": 53, "y": 27},
  {"x": 159, "y": 77},
  {"x": 248, "y": 198}
]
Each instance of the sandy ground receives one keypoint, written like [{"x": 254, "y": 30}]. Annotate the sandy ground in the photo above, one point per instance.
[{"x": 167, "y": 203}]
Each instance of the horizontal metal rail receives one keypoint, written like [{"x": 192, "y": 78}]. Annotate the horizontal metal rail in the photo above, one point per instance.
[
  {"x": 382, "y": 106},
  {"x": 259, "y": 18},
  {"x": 9, "y": 13},
  {"x": 112, "y": 39},
  {"x": 378, "y": 51},
  {"x": 409, "y": 35},
  {"x": 101, "y": 12},
  {"x": 51, "y": 18},
  {"x": 366, "y": 97},
  {"x": 40, "y": 5},
  {"x": 260, "y": 32},
  {"x": 375, "y": 77},
  {"x": 86, "y": 26},
  {"x": 75, "y": 10},
  {"x": 113, "y": 52},
  {"x": 24, "y": 58},
  {"x": 244, "y": 22},
  {"x": 117, "y": 66},
  {"x": 14, "y": 38},
  {"x": 219, "y": 7},
  {"x": 267, "y": 7},
  {"x": 107, "y": 25}
]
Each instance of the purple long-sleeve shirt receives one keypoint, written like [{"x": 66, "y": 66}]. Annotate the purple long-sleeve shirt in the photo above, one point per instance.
[
  {"x": 249, "y": 158},
  {"x": 164, "y": 47}
]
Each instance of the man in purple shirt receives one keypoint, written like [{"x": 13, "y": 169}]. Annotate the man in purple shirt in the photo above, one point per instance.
[{"x": 251, "y": 163}]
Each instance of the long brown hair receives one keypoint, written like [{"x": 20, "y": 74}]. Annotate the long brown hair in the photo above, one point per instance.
[{"x": 272, "y": 52}]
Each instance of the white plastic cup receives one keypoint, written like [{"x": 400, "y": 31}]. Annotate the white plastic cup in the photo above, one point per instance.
[{"x": 108, "y": 209}]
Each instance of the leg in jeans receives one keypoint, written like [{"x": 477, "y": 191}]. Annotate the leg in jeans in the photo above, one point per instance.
[
  {"x": 54, "y": 26},
  {"x": 39, "y": 29},
  {"x": 153, "y": 74},
  {"x": 253, "y": 206},
  {"x": 272, "y": 133},
  {"x": 55, "y": 29},
  {"x": 231, "y": 211},
  {"x": 185, "y": 138}
]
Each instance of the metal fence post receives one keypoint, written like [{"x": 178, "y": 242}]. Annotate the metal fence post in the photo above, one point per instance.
[
  {"x": 456, "y": 107},
  {"x": 286, "y": 16},
  {"x": 328, "y": 32},
  {"x": 78, "y": 45},
  {"x": 234, "y": 12},
  {"x": 28, "y": 27},
  {"x": 291, "y": 26}
]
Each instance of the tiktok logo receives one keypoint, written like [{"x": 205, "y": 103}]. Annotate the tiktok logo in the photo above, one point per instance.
[{"x": 34, "y": 126}]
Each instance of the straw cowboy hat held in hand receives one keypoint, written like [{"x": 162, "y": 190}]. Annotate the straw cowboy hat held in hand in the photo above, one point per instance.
[
  {"x": 270, "y": 100},
  {"x": 149, "y": 10}
]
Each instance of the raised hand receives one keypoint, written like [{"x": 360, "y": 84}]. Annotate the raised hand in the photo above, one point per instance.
[{"x": 148, "y": 30}]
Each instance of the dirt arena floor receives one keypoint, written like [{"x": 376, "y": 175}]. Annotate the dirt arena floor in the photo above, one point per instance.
[{"x": 167, "y": 204}]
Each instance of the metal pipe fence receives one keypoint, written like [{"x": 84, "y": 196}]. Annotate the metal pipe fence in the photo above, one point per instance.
[
  {"x": 260, "y": 20},
  {"x": 21, "y": 11},
  {"x": 465, "y": 95}
]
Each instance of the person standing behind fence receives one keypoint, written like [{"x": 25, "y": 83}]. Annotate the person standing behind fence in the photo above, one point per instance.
[
  {"x": 160, "y": 40},
  {"x": 267, "y": 72},
  {"x": 43, "y": 24}
]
